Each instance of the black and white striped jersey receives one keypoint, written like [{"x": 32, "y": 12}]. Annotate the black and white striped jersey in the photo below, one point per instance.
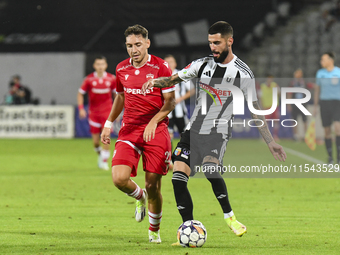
[{"x": 214, "y": 100}]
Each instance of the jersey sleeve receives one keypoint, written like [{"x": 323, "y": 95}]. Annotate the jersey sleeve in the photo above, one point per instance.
[
  {"x": 248, "y": 86},
  {"x": 190, "y": 71},
  {"x": 119, "y": 85},
  {"x": 165, "y": 71},
  {"x": 84, "y": 87}
]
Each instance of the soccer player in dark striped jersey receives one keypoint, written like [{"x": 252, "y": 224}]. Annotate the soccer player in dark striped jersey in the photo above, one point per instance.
[{"x": 203, "y": 143}]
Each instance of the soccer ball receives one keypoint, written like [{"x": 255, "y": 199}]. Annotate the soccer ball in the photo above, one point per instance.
[{"x": 192, "y": 233}]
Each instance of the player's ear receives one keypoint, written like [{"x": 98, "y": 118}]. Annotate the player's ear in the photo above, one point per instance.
[
  {"x": 148, "y": 43},
  {"x": 230, "y": 41}
]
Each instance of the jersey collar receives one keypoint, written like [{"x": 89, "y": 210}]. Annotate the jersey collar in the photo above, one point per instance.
[
  {"x": 232, "y": 61},
  {"x": 96, "y": 75}
]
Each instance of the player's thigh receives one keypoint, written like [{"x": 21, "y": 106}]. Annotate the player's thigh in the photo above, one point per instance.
[
  {"x": 126, "y": 153},
  {"x": 326, "y": 112},
  {"x": 180, "y": 123},
  {"x": 121, "y": 174},
  {"x": 157, "y": 153}
]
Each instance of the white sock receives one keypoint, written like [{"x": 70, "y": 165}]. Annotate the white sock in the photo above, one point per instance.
[
  {"x": 104, "y": 154},
  {"x": 137, "y": 193},
  {"x": 229, "y": 214},
  {"x": 98, "y": 149},
  {"x": 154, "y": 220}
]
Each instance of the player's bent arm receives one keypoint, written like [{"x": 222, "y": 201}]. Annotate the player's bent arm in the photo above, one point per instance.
[
  {"x": 161, "y": 82},
  {"x": 80, "y": 103},
  {"x": 169, "y": 105},
  {"x": 260, "y": 122}
]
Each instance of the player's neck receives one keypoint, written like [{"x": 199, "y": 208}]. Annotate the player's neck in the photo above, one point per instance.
[
  {"x": 100, "y": 75},
  {"x": 229, "y": 57},
  {"x": 140, "y": 64},
  {"x": 330, "y": 68}
]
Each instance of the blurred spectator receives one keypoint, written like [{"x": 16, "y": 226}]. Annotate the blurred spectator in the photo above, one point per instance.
[
  {"x": 18, "y": 94},
  {"x": 297, "y": 82},
  {"x": 332, "y": 16},
  {"x": 266, "y": 100}
]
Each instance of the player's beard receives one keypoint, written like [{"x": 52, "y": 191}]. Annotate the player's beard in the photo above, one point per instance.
[{"x": 222, "y": 56}]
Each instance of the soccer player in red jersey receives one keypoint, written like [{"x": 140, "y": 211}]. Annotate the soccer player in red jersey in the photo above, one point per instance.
[
  {"x": 144, "y": 129},
  {"x": 99, "y": 85}
]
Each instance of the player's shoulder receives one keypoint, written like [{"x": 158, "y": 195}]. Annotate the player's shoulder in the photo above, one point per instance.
[
  {"x": 123, "y": 65},
  {"x": 337, "y": 69},
  {"x": 320, "y": 72},
  {"x": 157, "y": 62},
  {"x": 208, "y": 60},
  {"x": 90, "y": 76},
  {"x": 243, "y": 68}
]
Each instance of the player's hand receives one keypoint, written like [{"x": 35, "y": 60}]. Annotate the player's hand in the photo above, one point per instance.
[
  {"x": 105, "y": 136},
  {"x": 149, "y": 131},
  {"x": 147, "y": 85},
  {"x": 82, "y": 114},
  {"x": 277, "y": 151}
]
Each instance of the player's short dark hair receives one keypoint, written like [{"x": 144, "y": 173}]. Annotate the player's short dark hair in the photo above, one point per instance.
[
  {"x": 330, "y": 54},
  {"x": 137, "y": 30},
  {"x": 221, "y": 27},
  {"x": 16, "y": 76},
  {"x": 100, "y": 57}
]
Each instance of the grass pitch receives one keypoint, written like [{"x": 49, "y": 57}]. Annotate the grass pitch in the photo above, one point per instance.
[{"x": 54, "y": 200}]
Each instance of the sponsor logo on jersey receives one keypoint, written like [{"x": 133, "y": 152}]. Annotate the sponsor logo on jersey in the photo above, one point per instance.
[
  {"x": 187, "y": 67},
  {"x": 178, "y": 151},
  {"x": 149, "y": 76},
  {"x": 137, "y": 91},
  {"x": 126, "y": 76},
  {"x": 209, "y": 90},
  {"x": 186, "y": 152}
]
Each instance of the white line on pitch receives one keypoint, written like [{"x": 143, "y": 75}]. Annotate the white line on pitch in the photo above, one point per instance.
[{"x": 303, "y": 156}]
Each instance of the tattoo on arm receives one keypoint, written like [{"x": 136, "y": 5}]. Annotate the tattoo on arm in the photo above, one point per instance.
[
  {"x": 163, "y": 82},
  {"x": 264, "y": 131}
]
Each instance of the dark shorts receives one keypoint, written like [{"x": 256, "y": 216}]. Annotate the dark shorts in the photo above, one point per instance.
[
  {"x": 192, "y": 148},
  {"x": 179, "y": 122},
  {"x": 330, "y": 111},
  {"x": 296, "y": 112}
]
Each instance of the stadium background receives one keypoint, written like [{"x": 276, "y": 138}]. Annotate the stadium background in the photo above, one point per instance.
[
  {"x": 53, "y": 198},
  {"x": 51, "y": 44}
]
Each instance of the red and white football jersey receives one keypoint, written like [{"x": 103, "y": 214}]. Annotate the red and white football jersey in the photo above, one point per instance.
[
  {"x": 140, "y": 109},
  {"x": 99, "y": 91}
]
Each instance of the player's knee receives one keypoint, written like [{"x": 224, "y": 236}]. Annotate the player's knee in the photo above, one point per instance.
[
  {"x": 153, "y": 189},
  {"x": 120, "y": 183}
]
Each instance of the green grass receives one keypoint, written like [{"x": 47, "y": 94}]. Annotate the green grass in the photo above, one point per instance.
[{"x": 54, "y": 200}]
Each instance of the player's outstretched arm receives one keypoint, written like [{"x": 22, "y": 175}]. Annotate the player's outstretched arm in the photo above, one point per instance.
[
  {"x": 169, "y": 105},
  {"x": 117, "y": 107},
  {"x": 161, "y": 82},
  {"x": 260, "y": 122}
]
